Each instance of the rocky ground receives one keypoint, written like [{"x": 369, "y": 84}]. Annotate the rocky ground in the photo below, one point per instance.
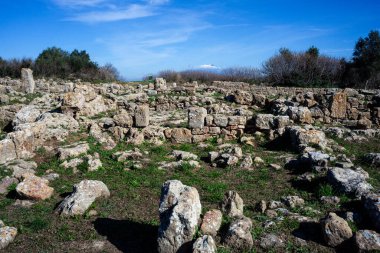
[{"x": 165, "y": 167}]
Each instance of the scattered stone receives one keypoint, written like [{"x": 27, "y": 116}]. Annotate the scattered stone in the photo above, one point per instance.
[
  {"x": 371, "y": 204},
  {"x": 335, "y": 230},
  {"x": 330, "y": 200},
  {"x": 367, "y": 240},
  {"x": 7, "y": 235},
  {"x": 373, "y": 158},
  {"x": 34, "y": 188},
  {"x": 270, "y": 241},
  {"x": 83, "y": 195},
  {"x": 72, "y": 150},
  {"x": 204, "y": 244},
  {"x": 232, "y": 205},
  {"x": 94, "y": 162},
  {"x": 238, "y": 236},
  {"x": 6, "y": 182},
  {"x": 180, "y": 210},
  {"x": 293, "y": 201},
  {"x": 349, "y": 181},
  {"x": 212, "y": 220}
]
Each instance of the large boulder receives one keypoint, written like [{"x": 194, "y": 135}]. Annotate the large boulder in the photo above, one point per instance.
[
  {"x": 349, "y": 181},
  {"x": 34, "y": 188},
  {"x": 83, "y": 195},
  {"x": 180, "y": 210},
  {"x": 335, "y": 230},
  {"x": 197, "y": 117},
  {"x": 238, "y": 236},
  {"x": 264, "y": 121},
  {"x": 27, "y": 80}
]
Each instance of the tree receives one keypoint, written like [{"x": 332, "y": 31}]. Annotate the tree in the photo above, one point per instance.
[
  {"x": 366, "y": 59},
  {"x": 53, "y": 62},
  {"x": 80, "y": 60}
]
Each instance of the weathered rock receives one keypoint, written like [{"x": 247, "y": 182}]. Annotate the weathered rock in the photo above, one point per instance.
[
  {"x": 184, "y": 155},
  {"x": 349, "y": 181},
  {"x": 6, "y": 182},
  {"x": 300, "y": 114},
  {"x": 335, "y": 230},
  {"x": 367, "y": 240},
  {"x": 27, "y": 80},
  {"x": 197, "y": 117},
  {"x": 160, "y": 83},
  {"x": 242, "y": 97},
  {"x": 34, "y": 188},
  {"x": 7, "y": 151},
  {"x": 293, "y": 201},
  {"x": 238, "y": 236},
  {"x": 180, "y": 210},
  {"x": 27, "y": 114},
  {"x": 264, "y": 121},
  {"x": 83, "y": 195},
  {"x": 72, "y": 150},
  {"x": 204, "y": 244},
  {"x": 94, "y": 162},
  {"x": 270, "y": 241},
  {"x": 7, "y": 235},
  {"x": 371, "y": 204},
  {"x": 302, "y": 137},
  {"x": 142, "y": 116},
  {"x": 338, "y": 105},
  {"x": 123, "y": 120},
  {"x": 212, "y": 220},
  {"x": 232, "y": 205},
  {"x": 373, "y": 158},
  {"x": 181, "y": 135}
]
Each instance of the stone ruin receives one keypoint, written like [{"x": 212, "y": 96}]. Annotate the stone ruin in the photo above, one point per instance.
[{"x": 191, "y": 113}]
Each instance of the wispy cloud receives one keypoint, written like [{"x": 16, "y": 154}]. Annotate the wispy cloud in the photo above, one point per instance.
[
  {"x": 98, "y": 11},
  {"x": 207, "y": 66},
  {"x": 131, "y": 12}
]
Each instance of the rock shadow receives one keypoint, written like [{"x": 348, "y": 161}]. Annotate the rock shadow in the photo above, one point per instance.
[{"x": 128, "y": 236}]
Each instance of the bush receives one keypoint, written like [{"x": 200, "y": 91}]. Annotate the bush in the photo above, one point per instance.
[
  {"x": 55, "y": 62},
  {"x": 303, "y": 68}
]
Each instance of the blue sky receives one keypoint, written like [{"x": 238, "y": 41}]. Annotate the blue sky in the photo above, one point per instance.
[{"x": 146, "y": 36}]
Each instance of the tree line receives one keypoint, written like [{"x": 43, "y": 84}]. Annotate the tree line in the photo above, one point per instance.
[
  {"x": 304, "y": 69},
  {"x": 57, "y": 63}
]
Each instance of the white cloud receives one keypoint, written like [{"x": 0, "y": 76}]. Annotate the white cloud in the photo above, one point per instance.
[
  {"x": 208, "y": 66},
  {"x": 131, "y": 12}
]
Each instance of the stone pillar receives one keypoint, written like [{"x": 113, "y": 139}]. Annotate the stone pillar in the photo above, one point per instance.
[
  {"x": 197, "y": 117},
  {"x": 27, "y": 80},
  {"x": 142, "y": 116}
]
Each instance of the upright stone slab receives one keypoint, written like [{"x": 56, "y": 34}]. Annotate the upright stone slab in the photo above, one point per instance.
[
  {"x": 27, "y": 80},
  {"x": 142, "y": 116},
  {"x": 197, "y": 117},
  {"x": 160, "y": 84},
  {"x": 180, "y": 210},
  {"x": 338, "y": 104}
]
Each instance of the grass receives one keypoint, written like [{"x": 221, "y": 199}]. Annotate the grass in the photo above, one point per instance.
[{"x": 135, "y": 193}]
